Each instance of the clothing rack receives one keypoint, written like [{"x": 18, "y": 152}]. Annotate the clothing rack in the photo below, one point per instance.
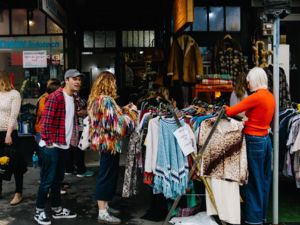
[{"x": 196, "y": 162}]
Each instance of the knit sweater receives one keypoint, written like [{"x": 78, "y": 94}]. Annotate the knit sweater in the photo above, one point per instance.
[
  {"x": 10, "y": 104},
  {"x": 259, "y": 108},
  {"x": 171, "y": 172}
]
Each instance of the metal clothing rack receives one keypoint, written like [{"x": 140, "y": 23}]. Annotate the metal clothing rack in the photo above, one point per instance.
[{"x": 196, "y": 162}]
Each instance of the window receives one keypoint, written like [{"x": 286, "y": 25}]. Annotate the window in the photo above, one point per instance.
[
  {"x": 200, "y": 20},
  {"x": 99, "y": 39},
  {"x": 138, "y": 38},
  {"x": 4, "y": 22},
  {"x": 36, "y": 22},
  {"x": 233, "y": 21},
  {"x": 217, "y": 18},
  {"x": 19, "y": 21},
  {"x": 88, "y": 39},
  {"x": 102, "y": 39},
  {"x": 53, "y": 28}
]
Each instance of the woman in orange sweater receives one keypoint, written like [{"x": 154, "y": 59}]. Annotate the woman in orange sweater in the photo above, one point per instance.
[{"x": 259, "y": 108}]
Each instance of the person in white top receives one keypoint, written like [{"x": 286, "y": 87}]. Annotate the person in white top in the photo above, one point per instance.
[
  {"x": 59, "y": 131},
  {"x": 9, "y": 110}
]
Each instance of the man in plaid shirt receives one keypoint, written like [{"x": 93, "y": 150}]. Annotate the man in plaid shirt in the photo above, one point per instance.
[{"x": 59, "y": 130}]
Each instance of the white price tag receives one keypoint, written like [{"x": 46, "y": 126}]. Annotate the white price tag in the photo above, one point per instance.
[{"x": 184, "y": 140}]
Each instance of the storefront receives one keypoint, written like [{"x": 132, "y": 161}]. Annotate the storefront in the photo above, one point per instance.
[{"x": 31, "y": 52}]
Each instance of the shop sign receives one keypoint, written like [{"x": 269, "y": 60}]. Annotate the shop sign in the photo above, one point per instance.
[
  {"x": 53, "y": 9},
  {"x": 34, "y": 59},
  {"x": 13, "y": 44},
  {"x": 53, "y": 59}
]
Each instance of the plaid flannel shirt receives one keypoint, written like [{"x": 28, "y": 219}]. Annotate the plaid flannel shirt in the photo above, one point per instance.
[{"x": 53, "y": 120}]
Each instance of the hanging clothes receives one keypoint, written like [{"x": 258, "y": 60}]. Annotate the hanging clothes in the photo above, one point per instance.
[
  {"x": 185, "y": 62},
  {"x": 229, "y": 58},
  {"x": 225, "y": 157},
  {"x": 227, "y": 198},
  {"x": 284, "y": 94},
  {"x": 151, "y": 143},
  {"x": 171, "y": 172},
  {"x": 133, "y": 164}
]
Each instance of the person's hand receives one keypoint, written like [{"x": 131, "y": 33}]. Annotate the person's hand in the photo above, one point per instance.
[
  {"x": 82, "y": 113},
  {"x": 174, "y": 103},
  {"x": 8, "y": 140},
  {"x": 130, "y": 106}
]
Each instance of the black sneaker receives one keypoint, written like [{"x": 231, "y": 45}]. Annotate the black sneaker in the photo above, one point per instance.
[
  {"x": 63, "y": 213},
  {"x": 41, "y": 218}
]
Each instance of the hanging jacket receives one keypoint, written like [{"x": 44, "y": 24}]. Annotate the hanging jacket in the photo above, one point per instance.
[{"x": 185, "y": 62}]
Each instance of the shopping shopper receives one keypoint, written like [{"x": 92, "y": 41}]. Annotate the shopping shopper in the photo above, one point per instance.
[
  {"x": 239, "y": 92},
  {"x": 259, "y": 108},
  {"x": 52, "y": 85},
  {"x": 108, "y": 125},
  {"x": 75, "y": 162},
  {"x": 9, "y": 110},
  {"x": 240, "y": 89},
  {"x": 164, "y": 96},
  {"x": 59, "y": 131}
]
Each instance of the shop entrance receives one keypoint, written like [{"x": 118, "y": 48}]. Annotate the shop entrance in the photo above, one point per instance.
[{"x": 293, "y": 39}]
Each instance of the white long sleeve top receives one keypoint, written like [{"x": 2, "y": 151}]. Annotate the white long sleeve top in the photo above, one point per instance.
[{"x": 10, "y": 104}]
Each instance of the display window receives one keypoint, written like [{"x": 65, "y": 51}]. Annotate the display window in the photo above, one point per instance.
[{"x": 30, "y": 62}]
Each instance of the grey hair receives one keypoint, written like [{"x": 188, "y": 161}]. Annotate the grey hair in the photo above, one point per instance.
[{"x": 257, "y": 79}]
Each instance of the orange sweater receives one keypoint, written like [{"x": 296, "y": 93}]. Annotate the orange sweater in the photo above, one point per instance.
[
  {"x": 259, "y": 107},
  {"x": 41, "y": 105}
]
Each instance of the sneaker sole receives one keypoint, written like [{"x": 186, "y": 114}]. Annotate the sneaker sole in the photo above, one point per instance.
[
  {"x": 81, "y": 176},
  {"x": 107, "y": 222},
  {"x": 41, "y": 222},
  {"x": 64, "y": 217}
]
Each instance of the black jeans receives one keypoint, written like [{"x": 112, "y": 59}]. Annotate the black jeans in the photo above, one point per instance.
[
  {"x": 19, "y": 162},
  {"x": 74, "y": 159}
]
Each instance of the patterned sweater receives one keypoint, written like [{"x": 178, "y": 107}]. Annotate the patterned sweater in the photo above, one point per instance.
[
  {"x": 109, "y": 124},
  {"x": 10, "y": 103}
]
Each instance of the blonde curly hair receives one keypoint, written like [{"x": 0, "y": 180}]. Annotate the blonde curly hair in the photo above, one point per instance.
[
  {"x": 5, "y": 84},
  {"x": 105, "y": 84}
]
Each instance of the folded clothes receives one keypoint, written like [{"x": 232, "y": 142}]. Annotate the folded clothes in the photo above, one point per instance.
[
  {"x": 217, "y": 76},
  {"x": 215, "y": 81}
]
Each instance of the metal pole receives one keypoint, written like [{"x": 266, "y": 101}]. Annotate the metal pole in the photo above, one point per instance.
[{"x": 276, "y": 37}]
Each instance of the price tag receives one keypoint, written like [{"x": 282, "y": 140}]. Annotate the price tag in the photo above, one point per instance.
[{"x": 184, "y": 140}]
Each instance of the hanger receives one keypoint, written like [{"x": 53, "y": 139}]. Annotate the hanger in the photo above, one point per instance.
[{"x": 227, "y": 36}]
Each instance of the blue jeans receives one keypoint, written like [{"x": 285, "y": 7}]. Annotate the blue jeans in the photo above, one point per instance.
[
  {"x": 256, "y": 192},
  {"x": 107, "y": 179},
  {"x": 52, "y": 175}
]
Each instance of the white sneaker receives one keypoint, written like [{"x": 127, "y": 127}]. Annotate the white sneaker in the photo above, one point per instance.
[
  {"x": 108, "y": 219},
  {"x": 113, "y": 211},
  {"x": 42, "y": 218}
]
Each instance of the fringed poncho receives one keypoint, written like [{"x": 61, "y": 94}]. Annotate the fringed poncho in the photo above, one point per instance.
[
  {"x": 171, "y": 172},
  {"x": 109, "y": 124}
]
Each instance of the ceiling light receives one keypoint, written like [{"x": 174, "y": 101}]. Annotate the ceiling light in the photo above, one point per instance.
[
  {"x": 30, "y": 17},
  {"x": 86, "y": 53}
]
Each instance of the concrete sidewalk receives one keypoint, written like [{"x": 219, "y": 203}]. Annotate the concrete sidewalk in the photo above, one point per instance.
[{"x": 79, "y": 198}]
